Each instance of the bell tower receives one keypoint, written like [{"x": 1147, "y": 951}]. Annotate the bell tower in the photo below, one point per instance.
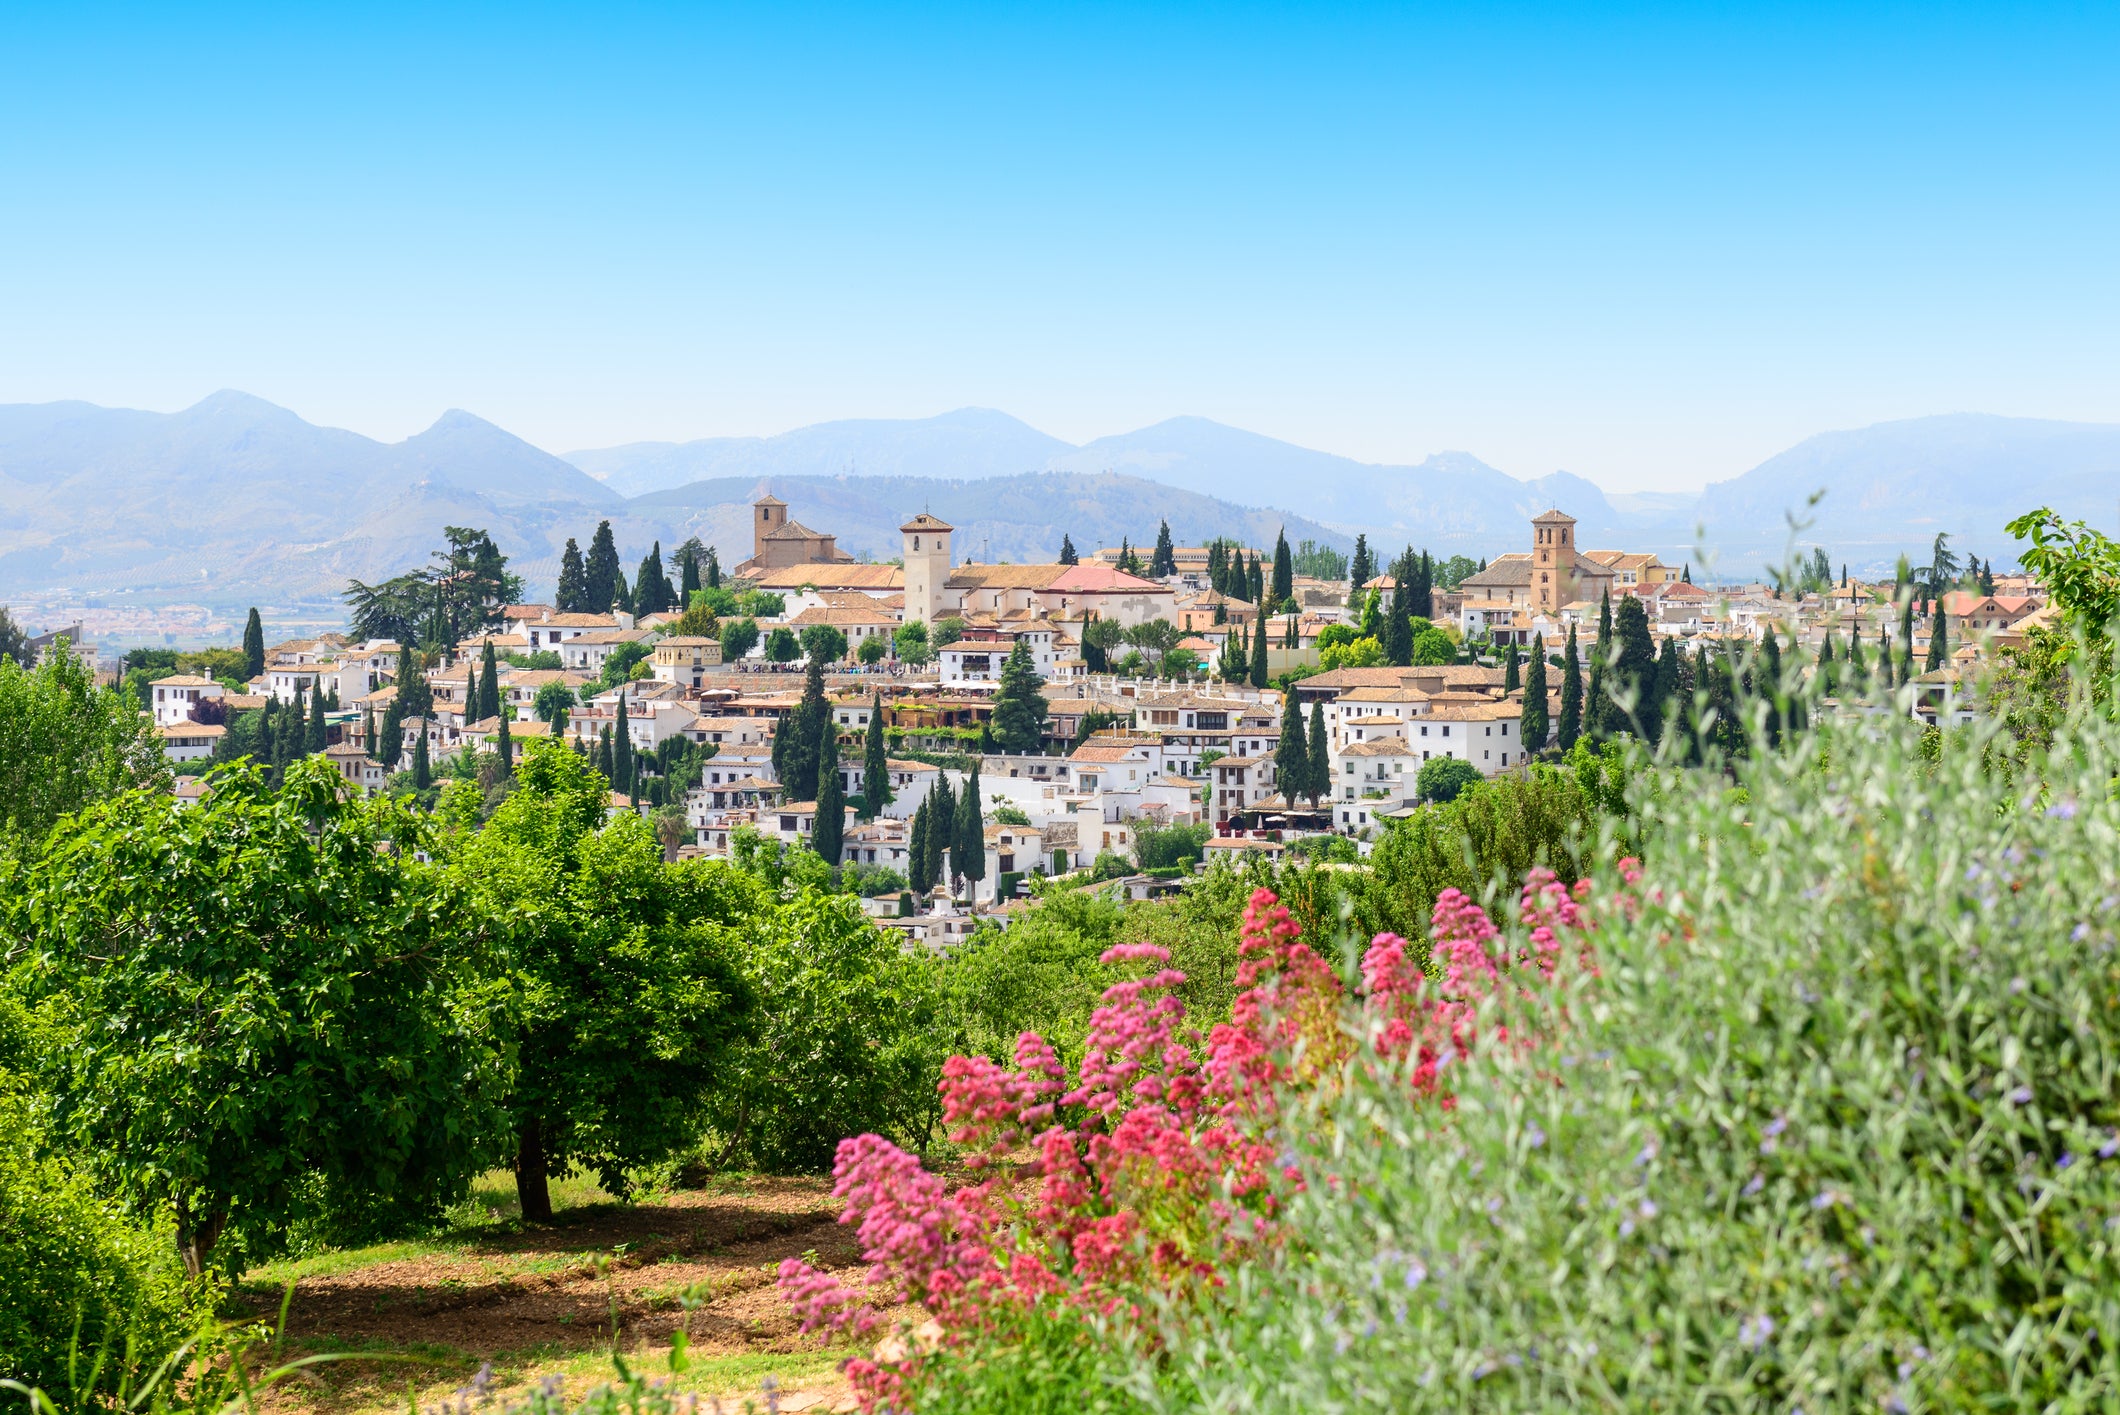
[
  {"x": 768, "y": 514},
  {"x": 927, "y": 566},
  {"x": 1552, "y": 561}
]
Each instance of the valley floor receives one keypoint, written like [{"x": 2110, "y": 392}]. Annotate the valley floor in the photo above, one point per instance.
[{"x": 420, "y": 1316}]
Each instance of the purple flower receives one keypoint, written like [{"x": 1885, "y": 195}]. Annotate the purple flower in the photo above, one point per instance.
[{"x": 2021, "y": 1096}]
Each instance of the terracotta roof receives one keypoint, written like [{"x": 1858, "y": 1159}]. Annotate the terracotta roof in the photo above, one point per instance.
[
  {"x": 1102, "y": 579},
  {"x": 1377, "y": 747},
  {"x": 191, "y": 729},
  {"x": 1006, "y": 577},
  {"x": 580, "y": 621},
  {"x": 1554, "y": 517},
  {"x": 796, "y": 530},
  {"x": 925, "y": 522},
  {"x": 185, "y": 680},
  {"x": 836, "y": 614},
  {"x": 829, "y": 576}
]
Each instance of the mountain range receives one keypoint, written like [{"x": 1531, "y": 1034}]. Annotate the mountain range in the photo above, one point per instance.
[{"x": 235, "y": 500}]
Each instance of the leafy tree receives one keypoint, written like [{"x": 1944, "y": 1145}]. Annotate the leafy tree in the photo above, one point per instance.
[
  {"x": 1534, "y": 725},
  {"x": 264, "y": 1009},
  {"x": 1291, "y": 757},
  {"x": 948, "y": 630},
  {"x": 911, "y": 642},
  {"x": 442, "y": 604},
  {"x": 1443, "y": 778},
  {"x": 1170, "y": 846},
  {"x": 968, "y": 843},
  {"x": 782, "y": 646},
  {"x": 1355, "y": 653},
  {"x": 64, "y": 744},
  {"x": 1165, "y": 559},
  {"x": 738, "y": 637},
  {"x": 1319, "y": 562},
  {"x": 822, "y": 643},
  {"x": 627, "y": 992},
  {"x": 573, "y": 589},
  {"x": 253, "y": 645},
  {"x": 829, "y": 838},
  {"x": 1432, "y": 647},
  {"x": 1019, "y": 706},
  {"x": 1571, "y": 724},
  {"x": 844, "y": 1039},
  {"x": 872, "y": 650},
  {"x": 1284, "y": 570},
  {"x": 601, "y": 579},
  {"x": 1099, "y": 638},
  {"x": 554, "y": 704},
  {"x": 1178, "y": 663}
]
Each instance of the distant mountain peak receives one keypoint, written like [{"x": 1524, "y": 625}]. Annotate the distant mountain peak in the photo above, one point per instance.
[{"x": 235, "y": 403}]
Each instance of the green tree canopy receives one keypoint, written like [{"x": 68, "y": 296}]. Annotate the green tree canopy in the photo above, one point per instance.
[
  {"x": 1019, "y": 706},
  {"x": 627, "y": 989},
  {"x": 64, "y": 744}
]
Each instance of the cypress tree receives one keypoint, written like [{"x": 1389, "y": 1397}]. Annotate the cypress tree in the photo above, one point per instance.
[
  {"x": 1825, "y": 666},
  {"x": 1939, "y": 636},
  {"x": 507, "y": 749},
  {"x": 1535, "y": 725},
  {"x": 319, "y": 734},
  {"x": 600, "y": 574},
  {"x": 1258, "y": 650},
  {"x": 1857, "y": 669},
  {"x": 1571, "y": 724},
  {"x": 368, "y": 733},
  {"x": 968, "y": 850},
  {"x": 1019, "y": 708},
  {"x": 1422, "y": 603},
  {"x": 651, "y": 587},
  {"x": 600, "y": 755},
  {"x": 1318, "y": 781},
  {"x": 1665, "y": 689},
  {"x": 688, "y": 565},
  {"x": 391, "y": 744},
  {"x": 621, "y": 745},
  {"x": 1255, "y": 583},
  {"x": 1770, "y": 683},
  {"x": 1067, "y": 550},
  {"x": 1165, "y": 560},
  {"x": 1284, "y": 570},
  {"x": 875, "y": 764},
  {"x": 942, "y": 826},
  {"x": 1360, "y": 570},
  {"x": 422, "y": 773},
  {"x": 1235, "y": 665},
  {"x": 253, "y": 645},
  {"x": 828, "y": 837},
  {"x": 1126, "y": 556},
  {"x": 1215, "y": 556},
  {"x": 621, "y": 597},
  {"x": 1291, "y": 757},
  {"x": 713, "y": 569},
  {"x": 573, "y": 591},
  {"x": 917, "y": 873},
  {"x": 489, "y": 686},
  {"x": 1511, "y": 681},
  {"x": 1633, "y": 666}
]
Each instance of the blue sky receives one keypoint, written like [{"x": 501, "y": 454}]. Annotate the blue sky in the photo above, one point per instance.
[{"x": 1650, "y": 245}]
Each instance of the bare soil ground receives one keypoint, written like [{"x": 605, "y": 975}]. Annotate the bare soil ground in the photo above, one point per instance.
[{"x": 547, "y": 1300}]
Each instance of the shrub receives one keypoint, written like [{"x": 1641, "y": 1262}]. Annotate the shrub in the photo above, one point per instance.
[
  {"x": 1445, "y": 778},
  {"x": 1834, "y": 1127},
  {"x": 1163, "y": 847}
]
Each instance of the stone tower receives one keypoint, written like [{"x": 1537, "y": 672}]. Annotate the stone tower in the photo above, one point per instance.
[
  {"x": 768, "y": 514},
  {"x": 927, "y": 567},
  {"x": 1552, "y": 561}
]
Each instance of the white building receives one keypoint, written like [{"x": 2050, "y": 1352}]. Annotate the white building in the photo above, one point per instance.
[{"x": 175, "y": 696}]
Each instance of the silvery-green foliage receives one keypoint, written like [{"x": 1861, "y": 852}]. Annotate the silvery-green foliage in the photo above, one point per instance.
[{"x": 1833, "y": 1129}]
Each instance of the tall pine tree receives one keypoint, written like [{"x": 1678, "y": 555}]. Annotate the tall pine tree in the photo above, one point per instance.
[
  {"x": 573, "y": 592},
  {"x": 795, "y": 740},
  {"x": 422, "y": 772},
  {"x": 875, "y": 764},
  {"x": 1939, "y": 639},
  {"x": 651, "y": 586},
  {"x": 489, "y": 686},
  {"x": 600, "y": 572},
  {"x": 1255, "y": 583},
  {"x": 1571, "y": 724},
  {"x": 368, "y": 734},
  {"x": 1421, "y": 605},
  {"x": 713, "y": 570},
  {"x": 1511, "y": 678},
  {"x": 1067, "y": 551},
  {"x": 1361, "y": 569},
  {"x": 1165, "y": 560},
  {"x": 506, "y": 747},
  {"x": 1258, "y": 651},
  {"x": 622, "y": 747},
  {"x": 319, "y": 734},
  {"x": 253, "y": 645},
  {"x": 1019, "y": 708},
  {"x": 942, "y": 828},
  {"x": 1632, "y": 657},
  {"x": 1284, "y": 570}
]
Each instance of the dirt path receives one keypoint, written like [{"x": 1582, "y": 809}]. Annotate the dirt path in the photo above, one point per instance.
[{"x": 541, "y": 1301}]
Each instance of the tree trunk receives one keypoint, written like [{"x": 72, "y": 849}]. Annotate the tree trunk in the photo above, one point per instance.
[
  {"x": 196, "y": 1237},
  {"x": 532, "y": 1194}
]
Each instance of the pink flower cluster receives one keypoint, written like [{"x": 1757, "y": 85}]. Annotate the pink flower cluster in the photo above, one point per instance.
[{"x": 1166, "y": 1173}]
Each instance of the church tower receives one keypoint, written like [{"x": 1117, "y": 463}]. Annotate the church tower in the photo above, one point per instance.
[
  {"x": 1552, "y": 561},
  {"x": 927, "y": 567},
  {"x": 768, "y": 514}
]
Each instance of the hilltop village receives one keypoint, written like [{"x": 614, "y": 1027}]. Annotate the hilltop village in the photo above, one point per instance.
[{"x": 1088, "y": 708}]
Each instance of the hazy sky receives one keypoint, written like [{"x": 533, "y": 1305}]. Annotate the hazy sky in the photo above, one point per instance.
[{"x": 1650, "y": 245}]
